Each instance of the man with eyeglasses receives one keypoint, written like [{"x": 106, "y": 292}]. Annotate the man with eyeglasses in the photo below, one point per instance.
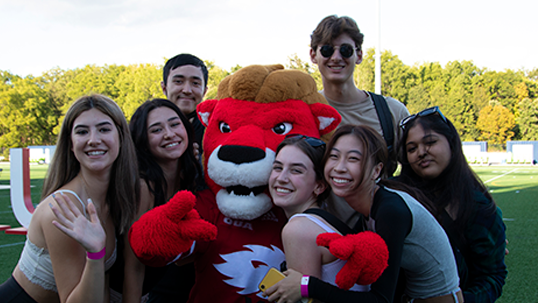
[{"x": 336, "y": 49}]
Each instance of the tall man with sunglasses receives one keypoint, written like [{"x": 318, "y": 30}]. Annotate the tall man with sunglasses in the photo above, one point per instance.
[{"x": 336, "y": 49}]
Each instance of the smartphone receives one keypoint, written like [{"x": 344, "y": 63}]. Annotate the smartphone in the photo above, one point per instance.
[{"x": 271, "y": 278}]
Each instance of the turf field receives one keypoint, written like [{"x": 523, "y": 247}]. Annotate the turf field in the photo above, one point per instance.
[{"x": 514, "y": 188}]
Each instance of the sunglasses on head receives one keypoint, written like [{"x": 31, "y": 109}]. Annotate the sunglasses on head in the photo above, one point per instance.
[
  {"x": 346, "y": 50},
  {"x": 427, "y": 112},
  {"x": 314, "y": 142}
]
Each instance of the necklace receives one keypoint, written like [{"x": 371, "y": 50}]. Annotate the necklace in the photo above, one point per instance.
[
  {"x": 86, "y": 187},
  {"x": 98, "y": 210}
]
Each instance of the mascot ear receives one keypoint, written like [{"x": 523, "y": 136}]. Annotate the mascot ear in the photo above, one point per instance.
[
  {"x": 328, "y": 117},
  {"x": 205, "y": 109}
]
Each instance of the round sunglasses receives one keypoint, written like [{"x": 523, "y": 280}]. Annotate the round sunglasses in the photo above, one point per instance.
[{"x": 346, "y": 50}]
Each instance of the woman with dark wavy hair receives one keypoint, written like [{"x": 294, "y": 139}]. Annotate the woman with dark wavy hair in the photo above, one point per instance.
[
  {"x": 433, "y": 161},
  {"x": 163, "y": 138}
]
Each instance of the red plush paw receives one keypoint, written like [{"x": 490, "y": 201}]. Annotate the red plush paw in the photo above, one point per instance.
[
  {"x": 166, "y": 231},
  {"x": 366, "y": 254}
]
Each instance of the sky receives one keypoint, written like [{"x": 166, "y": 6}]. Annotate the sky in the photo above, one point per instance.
[{"x": 39, "y": 35}]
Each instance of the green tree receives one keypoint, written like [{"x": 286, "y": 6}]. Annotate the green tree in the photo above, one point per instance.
[
  {"x": 522, "y": 91},
  {"x": 55, "y": 82},
  {"x": 216, "y": 75},
  {"x": 365, "y": 73},
  {"x": 396, "y": 77},
  {"x": 501, "y": 87},
  {"x": 429, "y": 75},
  {"x": 28, "y": 113},
  {"x": 527, "y": 119},
  {"x": 136, "y": 84},
  {"x": 418, "y": 99},
  {"x": 94, "y": 80},
  {"x": 532, "y": 74},
  {"x": 479, "y": 98}
]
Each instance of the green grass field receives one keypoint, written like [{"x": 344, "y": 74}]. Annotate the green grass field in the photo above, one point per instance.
[{"x": 514, "y": 188}]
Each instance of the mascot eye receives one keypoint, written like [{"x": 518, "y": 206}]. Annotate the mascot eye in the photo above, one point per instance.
[
  {"x": 224, "y": 127},
  {"x": 282, "y": 128}
]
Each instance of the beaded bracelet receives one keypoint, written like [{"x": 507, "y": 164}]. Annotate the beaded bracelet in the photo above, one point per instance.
[{"x": 97, "y": 255}]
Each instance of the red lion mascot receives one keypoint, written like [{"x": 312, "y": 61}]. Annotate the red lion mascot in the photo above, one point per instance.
[{"x": 255, "y": 108}]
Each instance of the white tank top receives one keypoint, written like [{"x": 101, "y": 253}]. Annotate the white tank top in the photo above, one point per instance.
[
  {"x": 329, "y": 270},
  {"x": 35, "y": 262}
]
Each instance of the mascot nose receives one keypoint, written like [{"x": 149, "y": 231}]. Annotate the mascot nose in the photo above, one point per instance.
[{"x": 240, "y": 154}]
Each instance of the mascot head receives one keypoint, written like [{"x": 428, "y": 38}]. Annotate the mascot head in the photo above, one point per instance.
[{"x": 255, "y": 109}]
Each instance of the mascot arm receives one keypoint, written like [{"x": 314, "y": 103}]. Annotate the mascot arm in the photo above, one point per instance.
[
  {"x": 366, "y": 254},
  {"x": 166, "y": 231}
]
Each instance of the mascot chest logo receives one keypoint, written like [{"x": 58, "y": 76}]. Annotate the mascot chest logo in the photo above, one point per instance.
[
  {"x": 240, "y": 269},
  {"x": 239, "y": 145}
]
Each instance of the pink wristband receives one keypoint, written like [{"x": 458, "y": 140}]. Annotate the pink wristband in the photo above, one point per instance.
[
  {"x": 97, "y": 255},
  {"x": 304, "y": 286}
]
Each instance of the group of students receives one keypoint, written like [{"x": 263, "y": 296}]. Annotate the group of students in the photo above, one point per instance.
[
  {"x": 444, "y": 233},
  {"x": 105, "y": 173}
]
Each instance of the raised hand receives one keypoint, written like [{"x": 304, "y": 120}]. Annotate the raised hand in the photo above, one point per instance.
[{"x": 89, "y": 233}]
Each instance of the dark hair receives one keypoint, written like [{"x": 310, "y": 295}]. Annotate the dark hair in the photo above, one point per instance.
[
  {"x": 375, "y": 151},
  {"x": 456, "y": 184},
  {"x": 189, "y": 172},
  {"x": 184, "y": 59},
  {"x": 123, "y": 188},
  {"x": 331, "y": 27},
  {"x": 315, "y": 154}
]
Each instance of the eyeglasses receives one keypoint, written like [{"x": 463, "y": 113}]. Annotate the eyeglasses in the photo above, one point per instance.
[
  {"x": 427, "y": 112},
  {"x": 314, "y": 142},
  {"x": 346, "y": 50}
]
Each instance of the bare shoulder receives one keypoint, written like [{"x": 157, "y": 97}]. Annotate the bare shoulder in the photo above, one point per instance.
[
  {"x": 43, "y": 212},
  {"x": 300, "y": 228},
  {"x": 42, "y": 232},
  {"x": 42, "y": 216}
]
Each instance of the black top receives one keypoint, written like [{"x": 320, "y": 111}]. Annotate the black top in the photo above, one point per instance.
[{"x": 199, "y": 129}]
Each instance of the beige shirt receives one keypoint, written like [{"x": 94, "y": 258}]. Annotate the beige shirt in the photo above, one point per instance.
[{"x": 363, "y": 112}]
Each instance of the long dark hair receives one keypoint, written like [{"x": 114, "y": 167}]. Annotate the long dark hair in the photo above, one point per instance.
[
  {"x": 456, "y": 185},
  {"x": 189, "y": 169}
]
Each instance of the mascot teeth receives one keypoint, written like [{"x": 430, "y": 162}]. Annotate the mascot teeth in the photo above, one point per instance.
[{"x": 240, "y": 190}]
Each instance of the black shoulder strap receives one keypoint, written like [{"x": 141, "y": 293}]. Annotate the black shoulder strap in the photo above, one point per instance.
[
  {"x": 331, "y": 219},
  {"x": 385, "y": 119}
]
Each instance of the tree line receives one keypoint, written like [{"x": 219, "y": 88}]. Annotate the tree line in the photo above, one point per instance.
[{"x": 484, "y": 105}]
